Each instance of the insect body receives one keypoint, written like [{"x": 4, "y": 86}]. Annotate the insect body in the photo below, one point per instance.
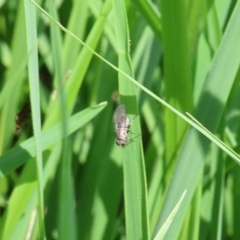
[{"x": 122, "y": 124}]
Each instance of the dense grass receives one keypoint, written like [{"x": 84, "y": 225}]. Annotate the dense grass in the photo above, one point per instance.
[{"x": 62, "y": 175}]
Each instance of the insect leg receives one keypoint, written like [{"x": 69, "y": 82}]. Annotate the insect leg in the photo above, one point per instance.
[
  {"x": 132, "y": 120},
  {"x": 132, "y": 139},
  {"x": 138, "y": 134}
]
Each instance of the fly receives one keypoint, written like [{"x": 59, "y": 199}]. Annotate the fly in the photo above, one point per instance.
[{"x": 122, "y": 124}]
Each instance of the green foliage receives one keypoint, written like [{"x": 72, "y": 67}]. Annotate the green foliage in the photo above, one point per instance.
[{"x": 63, "y": 177}]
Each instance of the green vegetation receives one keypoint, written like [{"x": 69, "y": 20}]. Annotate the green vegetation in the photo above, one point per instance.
[{"x": 174, "y": 64}]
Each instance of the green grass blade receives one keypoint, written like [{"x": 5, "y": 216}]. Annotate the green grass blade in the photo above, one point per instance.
[
  {"x": 86, "y": 169},
  {"x": 31, "y": 36},
  {"x": 56, "y": 45},
  {"x": 161, "y": 233},
  {"x": 18, "y": 54},
  {"x": 77, "y": 25},
  {"x": 150, "y": 93},
  {"x": 177, "y": 75},
  {"x": 10, "y": 85},
  {"x": 74, "y": 81},
  {"x": 209, "y": 111},
  {"x": 67, "y": 218},
  {"x": 20, "y": 154},
  {"x": 133, "y": 162},
  {"x": 152, "y": 16}
]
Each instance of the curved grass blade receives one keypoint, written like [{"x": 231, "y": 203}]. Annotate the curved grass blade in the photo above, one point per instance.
[
  {"x": 17, "y": 156},
  {"x": 160, "y": 235}
]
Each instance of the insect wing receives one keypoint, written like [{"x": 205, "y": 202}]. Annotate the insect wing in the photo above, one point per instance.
[
  {"x": 120, "y": 112},
  {"x": 120, "y": 116}
]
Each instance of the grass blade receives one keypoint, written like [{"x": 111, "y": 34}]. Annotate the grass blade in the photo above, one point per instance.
[
  {"x": 20, "y": 154},
  {"x": 31, "y": 36},
  {"x": 216, "y": 92},
  {"x": 133, "y": 161}
]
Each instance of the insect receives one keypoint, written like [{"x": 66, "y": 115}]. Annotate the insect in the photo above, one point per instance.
[{"x": 122, "y": 124}]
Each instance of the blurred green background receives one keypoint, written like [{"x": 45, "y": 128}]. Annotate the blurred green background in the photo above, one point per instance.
[{"x": 62, "y": 175}]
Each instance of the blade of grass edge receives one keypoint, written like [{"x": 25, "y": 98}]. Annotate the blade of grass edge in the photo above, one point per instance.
[
  {"x": 135, "y": 196},
  {"x": 161, "y": 233},
  {"x": 18, "y": 155},
  {"x": 31, "y": 36}
]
